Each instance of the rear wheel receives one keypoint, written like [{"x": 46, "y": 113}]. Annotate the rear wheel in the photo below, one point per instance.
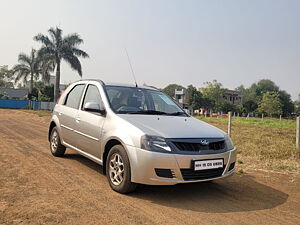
[
  {"x": 56, "y": 148},
  {"x": 118, "y": 170}
]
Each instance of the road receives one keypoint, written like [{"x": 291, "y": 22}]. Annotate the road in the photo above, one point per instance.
[{"x": 37, "y": 188}]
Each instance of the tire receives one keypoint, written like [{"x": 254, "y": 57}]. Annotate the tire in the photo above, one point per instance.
[
  {"x": 56, "y": 148},
  {"x": 118, "y": 170}
]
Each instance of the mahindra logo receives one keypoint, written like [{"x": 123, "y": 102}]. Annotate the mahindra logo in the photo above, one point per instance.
[{"x": 204, "y": 142}]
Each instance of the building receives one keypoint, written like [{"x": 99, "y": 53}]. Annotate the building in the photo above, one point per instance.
[
  {"x": 12, "y": 93},
  {"x": 180, "y": 96},
  {"x": 234, "y": 97}
]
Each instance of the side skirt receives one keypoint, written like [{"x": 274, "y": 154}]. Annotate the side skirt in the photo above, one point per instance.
[{"x": 85, "y": 154}]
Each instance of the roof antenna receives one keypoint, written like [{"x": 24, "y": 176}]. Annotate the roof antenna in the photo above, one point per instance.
[{"x": 131, "y": 68}]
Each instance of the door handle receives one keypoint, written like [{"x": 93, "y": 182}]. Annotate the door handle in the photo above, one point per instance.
[
  {"x": 77, "y": 119},
  {"x": 60, "y": 113}
]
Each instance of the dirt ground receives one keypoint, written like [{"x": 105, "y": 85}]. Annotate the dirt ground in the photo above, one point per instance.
[{"x": 37, "y": 188}]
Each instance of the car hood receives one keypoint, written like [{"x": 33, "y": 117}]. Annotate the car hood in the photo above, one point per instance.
[{"x": 173, "y": 126}]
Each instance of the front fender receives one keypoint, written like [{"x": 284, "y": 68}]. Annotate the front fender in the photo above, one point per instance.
[{"x": 55, "y": 120}]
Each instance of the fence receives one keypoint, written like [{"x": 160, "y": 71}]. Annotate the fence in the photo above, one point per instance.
[
  {"x": 21, "y": 104},
  {"x": 298, "y": 133},
  {"x": 297, "y": 128}
]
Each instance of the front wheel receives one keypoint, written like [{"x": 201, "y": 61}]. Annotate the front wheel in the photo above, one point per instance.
[
  {"x": 57, "y": 149},
  {"x": 118, "y": 170}
]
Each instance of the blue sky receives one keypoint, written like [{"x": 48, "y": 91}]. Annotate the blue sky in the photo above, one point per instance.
[{"x": 169, "y": 41}]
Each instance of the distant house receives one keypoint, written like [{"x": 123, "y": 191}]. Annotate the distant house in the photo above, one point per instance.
[
  {"x": 234, "y": 97},
  {"x": 180, "y": 96},
  {"x": 12, "y": 93}
]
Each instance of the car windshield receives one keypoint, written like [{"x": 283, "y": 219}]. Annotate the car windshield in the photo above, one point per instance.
[{"x": 134, "y": 100}]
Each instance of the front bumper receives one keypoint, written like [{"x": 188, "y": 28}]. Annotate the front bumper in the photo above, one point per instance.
[{"x": 143, "y": 164}]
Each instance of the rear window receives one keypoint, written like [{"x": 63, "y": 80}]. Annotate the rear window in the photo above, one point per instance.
[{"x": 74, "y": 96}]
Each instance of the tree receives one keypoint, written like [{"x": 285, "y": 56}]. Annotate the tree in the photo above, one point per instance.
[
  {"x": 265, "y": 85},
  {"x": 57, "y": 47},
  {"x": 6, "y": 77},
  {"x": 270, "y": 104},
  {"x": 297, "y": 107},
  {"x": 170, "y": 89},
  {"x": 241, "y": 89},
  {"x": 253, "y": 96},
  {"x": 28, "y": 68},
  {"x": 47, "y": 66},
  {"x": 287, "y": 103},
  {"x": 213, "y": 94},
  {"x": 229, "y": 107},
  {"x": 193, "y": 97},
  {"x": 42, "y": 92}
]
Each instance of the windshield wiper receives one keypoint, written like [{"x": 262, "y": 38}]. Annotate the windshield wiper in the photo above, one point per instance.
[
  {"x": 177, "y": 113},
  {"x": 148, "y": 112},
  {"x": 152, "y": 112}
]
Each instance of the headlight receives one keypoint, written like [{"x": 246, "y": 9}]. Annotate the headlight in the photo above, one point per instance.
[
  {"x": 154, "y": 143},
  {"x": 228, "y": 142}
]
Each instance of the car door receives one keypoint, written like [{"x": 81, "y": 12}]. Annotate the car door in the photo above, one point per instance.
[
  {"x": 90, "y": 124},
  {"x": 67, "y": 114}
]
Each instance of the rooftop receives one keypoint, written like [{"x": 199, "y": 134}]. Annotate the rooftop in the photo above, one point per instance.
[{"x": 14, "y": 93}]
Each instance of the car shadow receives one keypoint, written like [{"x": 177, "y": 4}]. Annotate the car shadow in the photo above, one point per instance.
[
  {"x": 87, "y": 162},
  {"x": 238, "y": 193}
]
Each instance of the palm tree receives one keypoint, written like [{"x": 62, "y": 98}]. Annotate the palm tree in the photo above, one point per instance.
[
  {"x": 47, "y": 66},
  {"x": 27, "y": 69},
  {"x": 56, "y": 47}
]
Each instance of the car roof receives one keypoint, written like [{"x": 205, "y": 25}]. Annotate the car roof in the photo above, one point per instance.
[{"x": 120, "y": 84}]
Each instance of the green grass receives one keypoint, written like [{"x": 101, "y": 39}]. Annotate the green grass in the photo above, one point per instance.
[
  {"x": 241, "y": 171},
  {"x": 274, "y": 122},
  {"x": 240, "y": 161},
  {"x": 268, "y": 144},
  {"x": 284, "y": 167}
]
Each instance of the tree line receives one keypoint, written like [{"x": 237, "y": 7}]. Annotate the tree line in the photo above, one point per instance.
[
  {"x": 35, "y": 68},
  {"x": 262, "y": 97}
]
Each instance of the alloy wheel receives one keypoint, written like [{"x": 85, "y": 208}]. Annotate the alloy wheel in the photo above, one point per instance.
[
  {"x": 116, "y": 169},
  {"x": 54, "y": 141}
]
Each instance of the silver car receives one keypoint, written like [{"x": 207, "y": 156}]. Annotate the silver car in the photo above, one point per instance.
[{"x": 139, "y": 135}]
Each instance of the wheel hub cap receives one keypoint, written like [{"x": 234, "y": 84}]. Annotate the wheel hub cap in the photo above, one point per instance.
[
  {"x": 116, "y": 169},
  {"x": 54, "y": 141}
]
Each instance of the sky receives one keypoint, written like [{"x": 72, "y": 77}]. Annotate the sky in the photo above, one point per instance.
[{"x": 169, "y": 41}]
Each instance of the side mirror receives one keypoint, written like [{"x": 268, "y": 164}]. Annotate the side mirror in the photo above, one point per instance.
[{"x": 93, "y": 107}]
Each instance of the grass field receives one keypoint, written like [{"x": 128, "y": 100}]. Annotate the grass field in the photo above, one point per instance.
[{"x": 262, "y": 144}]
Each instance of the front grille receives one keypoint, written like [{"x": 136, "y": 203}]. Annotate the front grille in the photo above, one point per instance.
[
  {"x": 191, "y": 174},
  {"x": 166, "y": 173},
  {"x": 196, "y": 147}
]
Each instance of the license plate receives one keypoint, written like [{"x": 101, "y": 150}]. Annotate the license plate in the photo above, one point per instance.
[{"x": 208, "y": 164}]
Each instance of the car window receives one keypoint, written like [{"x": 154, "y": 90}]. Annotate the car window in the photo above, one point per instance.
[
  {"x": 162, "y": 102},
  {"x": 74, "y": 96},
  {"x": 123, "y": 98},
  {"x": 139, "y": 100},
  {"x": 92, "y": 95}
]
